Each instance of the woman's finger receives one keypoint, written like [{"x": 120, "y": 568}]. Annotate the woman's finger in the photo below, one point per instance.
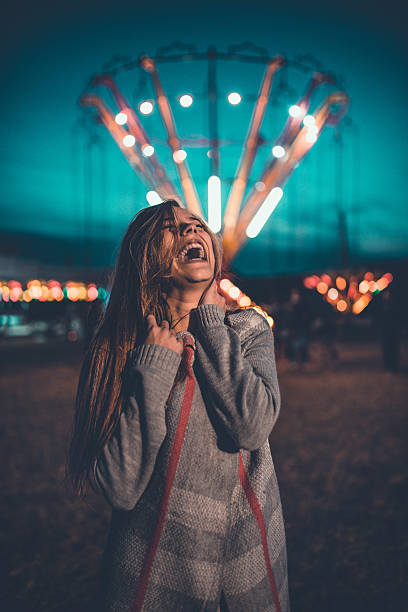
[
  {"x": 165, "y": 323},
  {"x": 151, "y": 321}
]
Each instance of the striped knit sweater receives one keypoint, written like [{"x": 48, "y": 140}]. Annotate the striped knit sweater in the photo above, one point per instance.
[{"x": 195, "y": 502}]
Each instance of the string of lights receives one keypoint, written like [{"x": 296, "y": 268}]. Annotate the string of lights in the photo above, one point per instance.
[
  {"x": 348, "y": 294},
  {"x": 49, "y": 291}
]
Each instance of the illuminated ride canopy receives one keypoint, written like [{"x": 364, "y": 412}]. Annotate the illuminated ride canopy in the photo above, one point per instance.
[{"x": 251, "y": 199}]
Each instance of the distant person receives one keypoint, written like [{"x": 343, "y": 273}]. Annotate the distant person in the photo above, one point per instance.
[
  {"x": 390, "y": 323},
  {"x": 325, "y": 332},
  {"x": 299, "y": 326},
  {"x": 176, "y": 401}
]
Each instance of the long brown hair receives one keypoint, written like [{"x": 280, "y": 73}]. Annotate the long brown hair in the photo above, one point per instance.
[{"x": 141, "y": 276}]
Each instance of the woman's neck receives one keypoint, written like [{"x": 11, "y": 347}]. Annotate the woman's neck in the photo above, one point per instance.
[{"x": 181, "y": 303}]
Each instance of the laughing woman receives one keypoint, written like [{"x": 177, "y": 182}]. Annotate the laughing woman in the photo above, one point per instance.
[{"x": 176, "y": 399}]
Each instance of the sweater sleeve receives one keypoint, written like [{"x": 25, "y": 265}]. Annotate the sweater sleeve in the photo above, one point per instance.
[
  {"x": 124, "y": 468},
  {"x": 239, "y": 372}
]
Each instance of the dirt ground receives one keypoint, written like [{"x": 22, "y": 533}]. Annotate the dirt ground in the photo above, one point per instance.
[{"x": 340, "y": 452}]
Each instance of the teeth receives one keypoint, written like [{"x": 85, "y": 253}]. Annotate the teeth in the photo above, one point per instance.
[{"x": 191, "y": 245}]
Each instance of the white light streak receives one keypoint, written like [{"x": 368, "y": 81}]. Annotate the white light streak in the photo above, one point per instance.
[
  {"x": 264, "y": 212},
  {"x": 153, "y": 198},
  {"x": 214, "y": 203}
]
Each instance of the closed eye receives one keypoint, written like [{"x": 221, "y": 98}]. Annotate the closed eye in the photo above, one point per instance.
[{"x": 182, "y": 226}]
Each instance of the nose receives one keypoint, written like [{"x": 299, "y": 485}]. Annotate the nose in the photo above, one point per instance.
[{"x": 190, "y": 228}]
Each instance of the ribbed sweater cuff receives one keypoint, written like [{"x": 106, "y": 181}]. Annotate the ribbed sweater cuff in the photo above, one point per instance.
[
  {"x": 209, "y": 315},
  {"x": 155, "y": 356}
]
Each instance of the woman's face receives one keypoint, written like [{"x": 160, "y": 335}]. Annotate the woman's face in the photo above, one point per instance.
[{"x": 195, "y": 261}]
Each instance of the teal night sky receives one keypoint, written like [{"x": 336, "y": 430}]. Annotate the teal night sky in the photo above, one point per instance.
[{"x": 67, "y": 201}]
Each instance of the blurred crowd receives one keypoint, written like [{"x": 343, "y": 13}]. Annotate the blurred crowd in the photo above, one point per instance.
[{"x": 307, "y": 329}]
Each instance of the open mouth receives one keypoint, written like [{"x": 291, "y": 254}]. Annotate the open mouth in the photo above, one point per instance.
[{"x": 194, "y": 251}]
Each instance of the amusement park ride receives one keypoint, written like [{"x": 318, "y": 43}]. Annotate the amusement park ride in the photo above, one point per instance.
[
  {"x": 248, "y": 204},
  {"x": 254, "y": 193}
]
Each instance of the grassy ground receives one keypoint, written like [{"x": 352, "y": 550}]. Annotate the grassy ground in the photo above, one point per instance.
[{"x": 340, "y": 453}]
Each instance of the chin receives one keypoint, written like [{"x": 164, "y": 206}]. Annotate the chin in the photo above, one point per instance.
[{"x": 183, "y": 276}]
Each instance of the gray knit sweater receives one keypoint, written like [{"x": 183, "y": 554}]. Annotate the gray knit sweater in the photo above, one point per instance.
[{"x": 197, "y": 511}]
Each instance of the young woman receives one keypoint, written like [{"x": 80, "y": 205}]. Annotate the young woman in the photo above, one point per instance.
[{"x": 176, "y": 400}]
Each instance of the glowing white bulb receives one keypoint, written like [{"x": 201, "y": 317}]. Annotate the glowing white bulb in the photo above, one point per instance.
[
  {"x": 311, "y": 137},
  {"x": 295, "y": 111},
  {"x": 214, "y": 203},
  {"x": 244, "y": 301},
  {"x": 179, "y": 156},
  {"x": 186, "y": 100},
  {"x": 264, "y": 212},
  {"x": 121, "y": 118},
  {"x": 260, "y": 186},
  {"x": 234, "y": 98},
  {"x": 147, "y": 150},
  {"x": 129, "y": 140},
  {"x": 333, "y": 294},
  {"x": 146, "y": 107},
  {"x": 153, "y": 198},
  {"x": 309, "y": 121},
  {"x": 278, "y": 151},
  {"x": 225, "y": 284},
  {"x": 363, "y": 286},
  {"x": 234, "y": 292}
]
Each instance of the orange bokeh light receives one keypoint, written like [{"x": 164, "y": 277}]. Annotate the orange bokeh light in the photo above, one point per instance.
[
  {"x": 92, "y": 293},
  {"x": 363, "y": 286},
  {"x": 244, "y": 301},
  {"x": 341, "y": 305},
  {"x": 341, "y": 283},
  {"x": 225, "y": 284},
  {"x": 382, "y": 283},
  {"x": 322, "y": 287},
  {"x": 234, "y": 292}
]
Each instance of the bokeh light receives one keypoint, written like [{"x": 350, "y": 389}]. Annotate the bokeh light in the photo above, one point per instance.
[
  {"x": 146, "y": 107},
  {"x": 179, "y": 156},
  {"x": 295, "y": 111},
  {"x": 278, "y": 151},
  {"x": 234, "y": 98},
  {"x": 147, "y": 150},
  {"x": 129, "y": 140},
  {"x": 121, "y": 118},
  {"x": 186, "y": 100}
]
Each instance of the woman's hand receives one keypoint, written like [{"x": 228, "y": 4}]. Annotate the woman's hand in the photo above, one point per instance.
[
  {"x": 161, "y": 334},
  {"x": 211, "y": 296}
]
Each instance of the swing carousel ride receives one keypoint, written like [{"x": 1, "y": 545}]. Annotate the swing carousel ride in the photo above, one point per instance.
[
  {"x": 251, "y": 199},
  {"x": 259, "y": 178}
]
